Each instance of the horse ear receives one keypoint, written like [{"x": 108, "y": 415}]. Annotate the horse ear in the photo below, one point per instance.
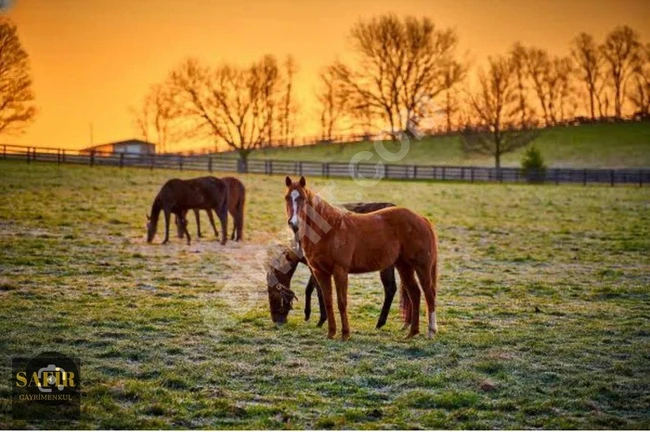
[
  {"x": 287, "y": 181},
  {"x": 303, "y": 182}
]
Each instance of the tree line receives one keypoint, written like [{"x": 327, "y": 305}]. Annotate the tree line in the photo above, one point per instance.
[{"x": 405, "y": 76}]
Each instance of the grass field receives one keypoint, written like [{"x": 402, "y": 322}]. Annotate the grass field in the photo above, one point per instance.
[
  {"x": 625, "y": 145},
  {"x": 544, "y": 306}
]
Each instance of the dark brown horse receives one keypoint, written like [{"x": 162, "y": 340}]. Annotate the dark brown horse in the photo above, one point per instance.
[
  {"x": 236, "y": 203},
  {"x": 336, "y": 243},
  {"x": 177, "y": 196},
  {"x": 282, "y": 268}
]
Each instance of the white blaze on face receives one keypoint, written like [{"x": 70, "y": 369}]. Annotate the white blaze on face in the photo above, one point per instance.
[{"x": 294, "y": 217}]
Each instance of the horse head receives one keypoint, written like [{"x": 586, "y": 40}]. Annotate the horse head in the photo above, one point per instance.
[
  {"x": 295, "y": 198},
  {"x": 281, "y": 301}
]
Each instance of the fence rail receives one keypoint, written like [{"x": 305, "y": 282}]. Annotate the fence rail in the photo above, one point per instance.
[{"x": 211, "y": 163}]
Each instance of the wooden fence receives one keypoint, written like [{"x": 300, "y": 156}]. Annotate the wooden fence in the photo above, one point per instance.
[{"x": 212, "y": 163}]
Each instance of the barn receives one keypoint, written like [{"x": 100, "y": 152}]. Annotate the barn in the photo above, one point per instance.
[{"x": 131, "y": 146}]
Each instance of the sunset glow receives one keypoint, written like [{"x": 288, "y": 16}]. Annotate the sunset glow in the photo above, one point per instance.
[{"x": 92, "y": 59}]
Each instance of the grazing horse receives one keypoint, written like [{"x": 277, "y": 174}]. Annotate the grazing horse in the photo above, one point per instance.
[
  {"x": 281, "y": 269},
  {"x": 177, "y": 196},
  {"x": 236, "y": 202},
  {"x": 336, "y": 243}
]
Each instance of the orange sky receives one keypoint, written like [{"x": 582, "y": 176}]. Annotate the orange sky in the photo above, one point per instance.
[{"x": 91, "y": 59}]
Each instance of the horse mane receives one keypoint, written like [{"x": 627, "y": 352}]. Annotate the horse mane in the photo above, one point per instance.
[{"x": 280, "y": 266}]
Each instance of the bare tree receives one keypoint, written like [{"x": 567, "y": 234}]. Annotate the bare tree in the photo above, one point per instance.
[
  {"x": 496, "y": 106},
  {"x": 399, "y": 64},
  {"x": 331, "y": 103},
  {"x": 16, "y": 96},
  {"x": 231, "y": 103},
  {"x": 621, "y": 51},
  {"x": 518, "y": 56},
  {"x": 550, "y": 78},
  {"x": 154, "y": 119},
  {"x": 454, "y": 74},
  {"x": 558, "y": 86},
  {"x": 589, "y": 63},
  {"x": 288, "y": 108},
  {"x": 640, "y": 94},
  {"x": 538, "y": 67}
]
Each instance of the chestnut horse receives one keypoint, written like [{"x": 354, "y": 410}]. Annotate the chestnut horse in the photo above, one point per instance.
[
  {"x": 281, "y": 270},
  {"x": 177, "y": 196},
  {"x": 337, "y": 243},
  {"x": 282, "y": 267},
  {"x": 236, "y": 202},
  {"x": 279, "y": 275}
]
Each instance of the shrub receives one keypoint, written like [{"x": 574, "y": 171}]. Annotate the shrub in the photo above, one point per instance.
[{"x": 532, "y": 165}]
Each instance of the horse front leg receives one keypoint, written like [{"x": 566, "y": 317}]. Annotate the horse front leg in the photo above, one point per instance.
[
  {"x": 390, "y": 288},
  {"x": 167, "y": 217},
  {"x": 321, "y": 305},
  {"x": 223, "y": 218},
  {"x": 341, "y": 281},
  {"x": 186, "y": 231},
  {"x": 214, "y": 227},
  {"x": 309, "y": 289},
  {"x": 324, "y": 280}
]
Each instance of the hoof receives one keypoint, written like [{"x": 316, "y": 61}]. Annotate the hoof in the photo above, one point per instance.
[
  {"x": 412, "y": 334},
  {"x": 406, "y": 326},
  {"x": 320, "y": 323},
  {"x": 345, "y": 337},
  {"x": 380, "y": 324},
  {"x": 331, "y": 335}
]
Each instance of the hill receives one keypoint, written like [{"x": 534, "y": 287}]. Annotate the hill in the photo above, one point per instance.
[{"x": 621, "y": 145}]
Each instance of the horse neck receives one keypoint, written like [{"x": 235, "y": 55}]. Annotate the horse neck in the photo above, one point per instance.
[
  {"x": 156, "y": 208},
  {"x": 283, "y": 270},
  {"x": 325, "y": 210}
]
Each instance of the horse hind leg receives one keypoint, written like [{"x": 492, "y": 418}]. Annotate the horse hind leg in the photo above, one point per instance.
[{"x": 427, "y": 276}]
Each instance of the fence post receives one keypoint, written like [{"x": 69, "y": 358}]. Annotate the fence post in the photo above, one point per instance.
[
  {"x": 471, "y": 174},
  {"x": 4, "y": 153},
  {"x": 584, "y": 177},
  {"x": 180, "y": 162},
  {"x": 611, "y": 177},
  {"x": 63, "y": 156},
  {"x": 29, "y": 154},
  {"x": 58, "y": 156},
  {"x": 92, "y": 158},
  {"x": 444, "y": 172},
  {"x": 462, "y": 173},
  {"x": 415, "y": 172},
  {"x": 640, "y": 178},
  {"x": 300, "y": 167},
  {"x": 153, "y": 157},
  {"x": 270, "y": 167},
  {"x": 557, "y": 176},
  {"x": 210, "y": 163},
  {"x": 121, "y": 160},
  {"x": 327, "y": 169}
]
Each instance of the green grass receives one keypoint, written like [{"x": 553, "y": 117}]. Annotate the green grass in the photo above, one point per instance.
[
  {"x": 177, "y": 336},
  {"x": 625, "y": 145}
]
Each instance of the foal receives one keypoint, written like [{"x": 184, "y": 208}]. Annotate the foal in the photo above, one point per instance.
[{"x": 337, "y": 243}]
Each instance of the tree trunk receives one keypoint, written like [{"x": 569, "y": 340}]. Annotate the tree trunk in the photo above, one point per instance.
[{"x": 242, "y": 163}]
